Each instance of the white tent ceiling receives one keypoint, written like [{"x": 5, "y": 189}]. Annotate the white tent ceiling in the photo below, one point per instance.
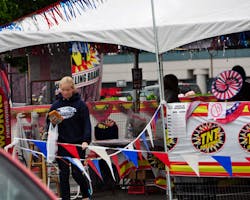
[{"x": 129, "y": 23}]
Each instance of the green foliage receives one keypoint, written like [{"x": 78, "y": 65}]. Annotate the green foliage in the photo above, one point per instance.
[
  {"x": 151, "y": 97},
  {"x": 129, "y": 98},
  {"x": 19, "y": 62},
  {"x": 9, "y": 11},
  {"x": 14, "y": 9}
]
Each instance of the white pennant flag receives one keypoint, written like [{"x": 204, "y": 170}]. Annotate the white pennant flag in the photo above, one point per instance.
[
  {"x": 155, "y": 171},
  {"x": 101, "y": 151},
  {"x": 193, "y": 162},
  {"x": 130, "y": 146},
  {"x": 80, "y": 166},
  {"x": 149, "y": 130}
]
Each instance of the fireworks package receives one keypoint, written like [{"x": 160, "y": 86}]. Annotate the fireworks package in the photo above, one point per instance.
[
  {"x": 55, "y": 117},
  {"x": 106, "y": 130}
]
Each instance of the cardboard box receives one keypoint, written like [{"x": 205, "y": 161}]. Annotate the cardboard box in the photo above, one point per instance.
[{"x": 137, "y": 175}]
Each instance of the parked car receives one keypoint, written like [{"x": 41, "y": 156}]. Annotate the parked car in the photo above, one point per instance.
[
  {"x": 18, "y": 183},
  {"x": 152, "y": 92},
  {"x": 183, "y": 88},
  {"x": 187, "y": 87}
]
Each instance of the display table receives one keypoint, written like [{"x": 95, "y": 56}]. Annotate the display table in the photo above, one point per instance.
[{"x": 112, "y": 142}]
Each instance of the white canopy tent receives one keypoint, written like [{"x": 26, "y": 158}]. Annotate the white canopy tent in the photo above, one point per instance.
[{"x": 129, "y": 23}]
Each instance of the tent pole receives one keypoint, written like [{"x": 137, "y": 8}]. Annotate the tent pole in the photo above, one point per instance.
[{"x": 161, "y": 89}]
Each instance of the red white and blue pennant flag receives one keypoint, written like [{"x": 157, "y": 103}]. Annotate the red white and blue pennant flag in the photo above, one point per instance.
[
  {"x": 94, "y": 164},
  {"x": 101, "y": 151},
  {"x": 42, "y": 146},
  {"x": 131, "y": 155},
  {"x": 52, "y": 15},
  {"x": 71, "y": 149},
  {"x": 225, "y": 162},
  {"x": 77, "y": 162}
]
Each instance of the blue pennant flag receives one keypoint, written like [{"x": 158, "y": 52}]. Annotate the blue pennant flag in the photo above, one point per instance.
[
  {"x": 42, "y": 146},
  {"x": 225, "y": 162},
  {"x": 96, "y": 163},
  {"x": 157, "y": 115},
  {"x": 73, "y": 162},
  {"x": 132, "y": 156},
  {"x": 80, "y": 167},
  {"x": 145, "y": 141}
]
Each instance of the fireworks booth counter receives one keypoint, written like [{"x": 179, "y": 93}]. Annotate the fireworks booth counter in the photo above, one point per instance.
[
  {"x": 205, "y": 140},
  {"x": 109, "y": 121}
]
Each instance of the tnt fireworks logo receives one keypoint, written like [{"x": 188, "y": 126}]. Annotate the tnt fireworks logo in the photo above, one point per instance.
[
  {"x": 208, "y": 137},
  {"x": 244, "y": 137}
]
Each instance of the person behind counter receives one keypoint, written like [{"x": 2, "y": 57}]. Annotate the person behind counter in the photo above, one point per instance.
[
  {"x": 244, "y": 93},
  {"x": 171, "y": 89}
]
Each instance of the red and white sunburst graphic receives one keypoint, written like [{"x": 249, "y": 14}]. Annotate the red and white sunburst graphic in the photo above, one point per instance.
[{"x": 227, "y": 84}]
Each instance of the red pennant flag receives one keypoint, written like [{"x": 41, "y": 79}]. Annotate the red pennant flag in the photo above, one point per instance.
[
  {"x": 93, "y": 166},
  {"x": 153, "y": 125},
  {"x": 116, "y": 163},
  {"x": 71, "y": 149},
  {"x": 162, "y": 156},
  {"x": 138, "y": 147}
]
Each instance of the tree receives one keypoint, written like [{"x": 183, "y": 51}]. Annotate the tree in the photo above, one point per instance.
[{"x": 14, "y": 9}]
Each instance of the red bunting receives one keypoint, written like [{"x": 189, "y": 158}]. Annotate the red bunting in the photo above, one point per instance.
[
  {"x": 138, "y": 147},
  {"x": 116, "y": 163},
  {"x": 248, "y": 158},
  {"x": 52, "y": 13},
  {"x": 153, "y": 125},
  {"x": 71, "y": 149},
  {"x": 162, "y": 156},
  {"x": 57, "y": 10},
  {"x": 50, "y": 24}
]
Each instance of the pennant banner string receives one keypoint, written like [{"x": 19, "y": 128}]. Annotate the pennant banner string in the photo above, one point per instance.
[
  {"x": 118, "y": 149},
  {"x": 98, "y": 147},
  {"x": 142, "y": 132},
  {"x": 65, "y": 9},
  {"x": 30, "y": 150}
]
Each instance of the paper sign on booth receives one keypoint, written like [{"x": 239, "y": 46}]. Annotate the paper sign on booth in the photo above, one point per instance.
[
  {"x": 217, "y": 110},
  {"x": 176, "y": 119}
]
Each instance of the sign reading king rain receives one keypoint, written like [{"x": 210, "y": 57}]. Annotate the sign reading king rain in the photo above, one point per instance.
[
  {"x": 86, "y": 66},
  {"x": 86, "y": 77}
]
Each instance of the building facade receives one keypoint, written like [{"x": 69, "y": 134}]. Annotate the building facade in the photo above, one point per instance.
[{"x": 196, "y": 66}]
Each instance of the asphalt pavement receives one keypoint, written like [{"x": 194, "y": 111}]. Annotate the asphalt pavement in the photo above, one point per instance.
[
  {"x": 118, "y": 193},
  {"x": 123, "y": 194}
]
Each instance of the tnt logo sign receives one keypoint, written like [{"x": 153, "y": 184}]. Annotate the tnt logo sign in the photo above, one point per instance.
[
  {"x": 208, "y": 137},
  {"x": 244, "y": 137}
]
